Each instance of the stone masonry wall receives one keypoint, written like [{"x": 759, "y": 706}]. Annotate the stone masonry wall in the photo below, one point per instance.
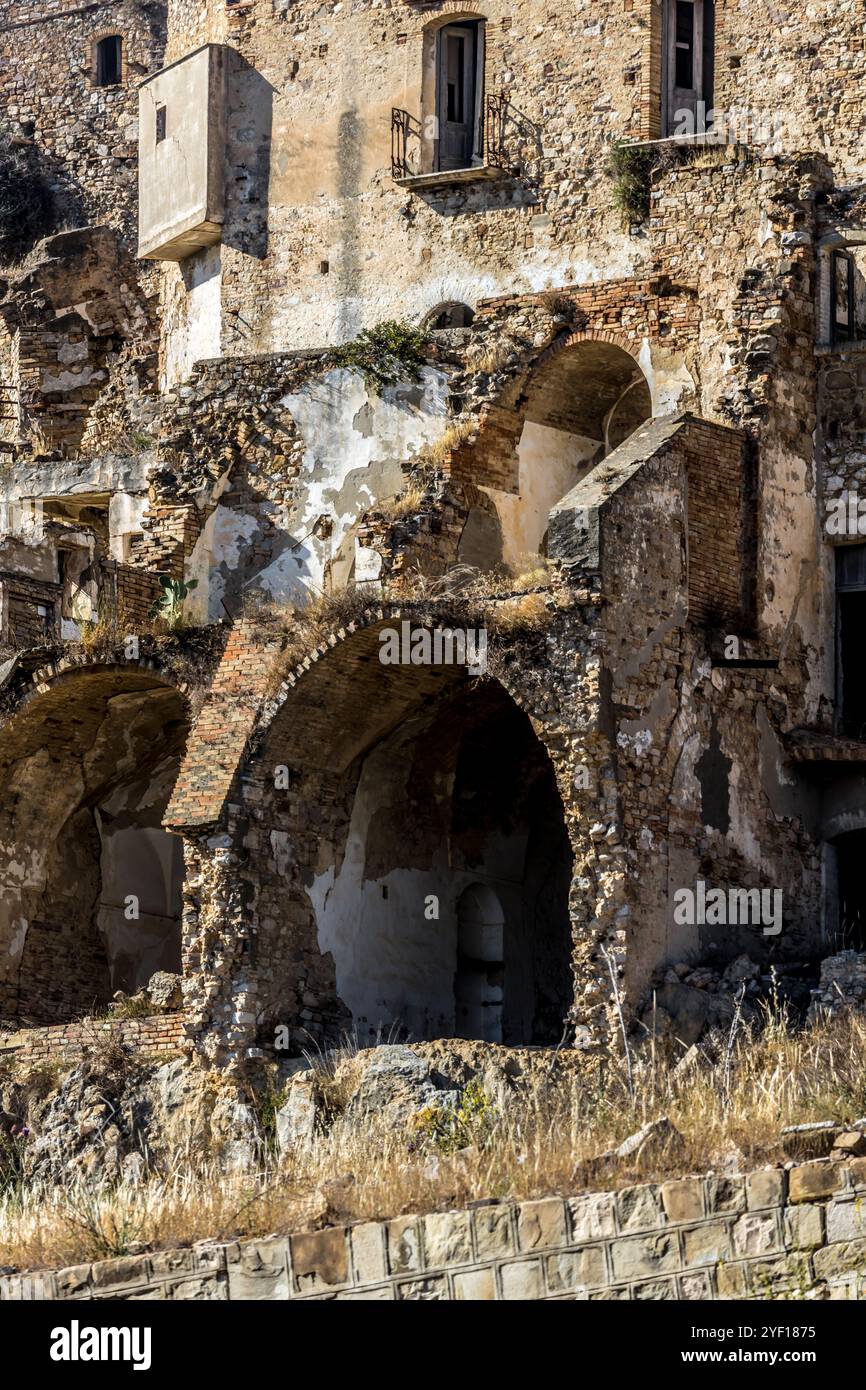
[
  {"x": 769, "y": 1235},
  {"x": 86, "y": 136}
]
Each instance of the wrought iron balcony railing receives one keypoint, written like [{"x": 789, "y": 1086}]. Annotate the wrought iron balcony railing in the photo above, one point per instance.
[{"x": 407, "y": 146}]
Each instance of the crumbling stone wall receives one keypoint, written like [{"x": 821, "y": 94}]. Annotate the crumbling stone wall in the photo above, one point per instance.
[
  {"x": 85, "y": 137},
  {"x": 310, "y": 98}
]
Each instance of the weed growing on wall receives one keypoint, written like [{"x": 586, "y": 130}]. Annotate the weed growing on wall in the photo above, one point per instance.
[
  {"x": 631, "y": 169},
  {"x": 388, "y": 352}
]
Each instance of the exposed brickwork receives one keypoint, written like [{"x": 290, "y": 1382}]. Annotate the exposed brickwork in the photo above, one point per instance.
[{"x": 68, "y": 1042}]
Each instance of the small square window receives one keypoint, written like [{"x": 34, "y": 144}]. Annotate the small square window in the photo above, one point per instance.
[{"x": 160, "y": 124}]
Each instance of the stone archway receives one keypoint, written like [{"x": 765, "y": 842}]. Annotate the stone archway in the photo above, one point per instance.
[
  {"x": 90, "y": 882},
  {"x": 369, "y": 798}
]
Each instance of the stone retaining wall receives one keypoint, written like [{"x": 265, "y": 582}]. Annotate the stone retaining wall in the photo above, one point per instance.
[
  {"x": 771, "y": 1234},
  {"x": 67, "y": 1041}
]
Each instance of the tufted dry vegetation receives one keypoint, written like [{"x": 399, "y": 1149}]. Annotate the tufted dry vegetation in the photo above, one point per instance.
[{"x": 540, "y": 1136}]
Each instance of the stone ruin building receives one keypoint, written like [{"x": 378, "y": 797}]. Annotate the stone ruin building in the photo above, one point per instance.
[{"x": 644, "y": 362}]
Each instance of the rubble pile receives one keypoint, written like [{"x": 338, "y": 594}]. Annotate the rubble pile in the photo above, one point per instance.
[{"x": 686, "y": 1000}]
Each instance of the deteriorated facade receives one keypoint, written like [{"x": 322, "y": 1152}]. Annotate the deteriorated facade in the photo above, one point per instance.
[{"x": 624, "y": 442}]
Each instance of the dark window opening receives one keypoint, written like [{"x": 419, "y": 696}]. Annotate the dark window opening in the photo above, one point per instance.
[
  {"x": 841, "y": 298},
  {"x": 850, "y": 646},
  {"x": 452, "y": 315},
  {"x": 850, "y": 924},
  {"x": 160, "y": 124},
  {"x": 689, "y": 43},
  {"x": 458, "y": 102},
  {"x": 685, "y": 44},
  {"x": 109, "y": 61}
]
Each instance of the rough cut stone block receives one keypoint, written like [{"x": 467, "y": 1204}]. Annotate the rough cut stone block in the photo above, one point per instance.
[
  {"x": 639, "y": 1209},
  {"x": 475, "y": 1285},
  {"x": 756, "y": 1234},
  {"x": 683, "y": 1200},
  {"x": 643, "y": 1256},
  {"x": 725, "y": 1194},
  {"x": 593, "y": 1216},
  {"x": 493, "y": 1231},
  {"x": 368, "y": 1252},
  {"x": 846, "y": 1221},
  {"x": 522, "y": 1279},
  {"x": 857, "y": 1170},
  {"x": 257, "y": 1269},
  {"x": 447, "y": 1239},
  {"x": 706, "y": 1244},
  {"x": 835, "y": 1260},
  {"x": 164, "y": 1262},
  {"x": 110, "y": 1274},
  {"x": 766, "y": 1189},
  {"x": 541, "y": 1224},
  {"x": 404, "y": 1245},
  {"x": 432, "y": 1290},
  {"x": 697, "y": 1286},
  {"x": 804, "y": 1226},
  {"x": 72, "y": 1281},
  {"x": 207, "y": 1288},
  {"x": 657, "y": 1290},
  {"x": 812, "y": 1181},
  {"x": 320, "y": 1259},
  {"x": 580, "y": 1269}
]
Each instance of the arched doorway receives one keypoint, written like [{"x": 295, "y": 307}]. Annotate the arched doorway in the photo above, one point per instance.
[
  {"x": 90, "y": 883},
  {"x": 581, "y": 403},
  {"x": 422, "y": 808}
]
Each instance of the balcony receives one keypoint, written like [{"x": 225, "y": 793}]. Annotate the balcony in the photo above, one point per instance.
[{"x": 408, "y": 153}]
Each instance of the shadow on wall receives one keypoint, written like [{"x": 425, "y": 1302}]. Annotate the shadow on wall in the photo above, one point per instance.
[
  {"x": 248, "y": 175},
  {"x": 349, "y": 145}
]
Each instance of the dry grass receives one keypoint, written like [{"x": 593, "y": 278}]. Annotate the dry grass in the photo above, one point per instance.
[
  {"x": 404, "y": 504},
  {"x": 506, "y": 602},
  {"x": 435, "y": 455},
  {"x": 534, "y": 1141},
  {"x": 490, "y": 358}
]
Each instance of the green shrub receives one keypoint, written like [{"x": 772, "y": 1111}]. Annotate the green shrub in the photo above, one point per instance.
[
  {"x": 389, "y": 352},
  {"x": 169, "y": 605},
  {"x": 631, "y": 168},
  {"x": 26, "y": 200},
  {"x": 468, "y": 1126}
]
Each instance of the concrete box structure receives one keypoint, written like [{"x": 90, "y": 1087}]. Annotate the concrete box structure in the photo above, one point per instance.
[{"x": 181, "y": 145}]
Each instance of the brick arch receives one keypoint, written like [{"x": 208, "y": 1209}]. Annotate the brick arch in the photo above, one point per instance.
[
  {"x": 451, "y": 11},
  {"x": 489, "y": 458},
  {"x": 308, "y": 676},
  {"x": 418, "y": 775},
  {"x": 69, "y": 667},
  {"x": 585, "y": 335}
]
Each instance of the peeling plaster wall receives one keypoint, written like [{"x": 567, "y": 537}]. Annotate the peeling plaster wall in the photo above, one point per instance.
[
  {"x": 352, "y": 443},
  {"x": 395, "y": 965}
]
